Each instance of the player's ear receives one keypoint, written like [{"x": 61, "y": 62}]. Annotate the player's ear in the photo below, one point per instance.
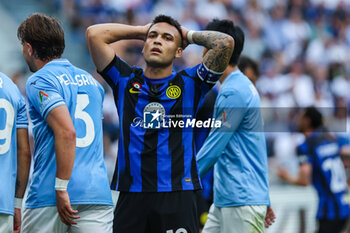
[
  {"x": 178, "y": 52},
  {"x": 30, "y": 48}
]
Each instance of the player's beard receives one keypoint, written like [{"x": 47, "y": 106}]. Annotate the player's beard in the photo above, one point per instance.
[
  {"x": 32, "y": 69},
  {"x": 31, "y": 66},
  {"x": 158, "y": 64}
]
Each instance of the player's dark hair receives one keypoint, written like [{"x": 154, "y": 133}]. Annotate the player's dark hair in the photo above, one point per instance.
[
  {"x": 45, "y": 34},
  {"x": 315, "y": 117},
  {"x": 228, "y": 27},
  {"x": 169, "y": 20},
  {"x": 246, "y": 62}
]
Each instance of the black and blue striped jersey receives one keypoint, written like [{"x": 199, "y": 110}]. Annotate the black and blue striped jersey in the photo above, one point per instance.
[
  {"x": 328, "y": 174},
  {"x": 156, "y": 151}
]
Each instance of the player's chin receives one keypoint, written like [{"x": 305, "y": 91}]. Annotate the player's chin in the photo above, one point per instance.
[{"x": 157, "y": 62}]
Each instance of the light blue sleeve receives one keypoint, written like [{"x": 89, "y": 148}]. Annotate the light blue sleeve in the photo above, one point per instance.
[
  {"x": 22, "y": 118},
  {"x": 230, "y": 111},
  {"x": 43, "y": 95}
]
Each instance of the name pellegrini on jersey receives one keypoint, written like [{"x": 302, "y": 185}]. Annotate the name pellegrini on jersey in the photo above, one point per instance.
[{"x": 79, "y": 80}]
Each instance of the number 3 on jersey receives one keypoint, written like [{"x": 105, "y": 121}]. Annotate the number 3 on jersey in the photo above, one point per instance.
[
  {"x": 6, "y": 132},
  {"x": 82, "y": 103}
]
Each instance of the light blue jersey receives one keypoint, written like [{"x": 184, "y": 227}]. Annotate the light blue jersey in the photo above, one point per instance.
[
  {"x": 13, "y": 115},
  {"x": 61, "y": 83},
  {"x": 238, "y": 148}
]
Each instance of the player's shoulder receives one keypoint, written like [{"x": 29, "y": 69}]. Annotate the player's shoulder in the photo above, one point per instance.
[
  {"x": 7, "y": 85},
  {"x": 5, "y": 81},
  {"x": 36, "y": 79},
  {"x": 189, "y": 71}
]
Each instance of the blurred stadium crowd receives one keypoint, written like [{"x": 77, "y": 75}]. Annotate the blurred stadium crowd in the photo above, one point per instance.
[{"x": 302, "y": 48}]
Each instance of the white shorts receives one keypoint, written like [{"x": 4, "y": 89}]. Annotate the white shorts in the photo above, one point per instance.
[
  {"x": 6, "y": 223},
  {"x": 115, "y": 197},
  {"x": 240, "y": 219},
  {"x": 93, "y": 219}
]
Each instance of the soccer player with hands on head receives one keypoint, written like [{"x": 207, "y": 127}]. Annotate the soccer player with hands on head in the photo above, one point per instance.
[{"x": 156, "y": 170}]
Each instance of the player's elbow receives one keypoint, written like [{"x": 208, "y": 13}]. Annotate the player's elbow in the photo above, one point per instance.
[
  {"x": 68, "y": 135},
  {"x": 91, "y": 34},
  {"x": 229, "y": 42}
]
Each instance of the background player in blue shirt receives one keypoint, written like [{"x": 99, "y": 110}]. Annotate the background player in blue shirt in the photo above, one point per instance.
[
  {"x": 14, "y": 154},
  {"x": 237, "y": 150},
  {"x": 156, "y": 169},
  {"x": 320, "y": 163},
  {"x": 65, "y": 107}
]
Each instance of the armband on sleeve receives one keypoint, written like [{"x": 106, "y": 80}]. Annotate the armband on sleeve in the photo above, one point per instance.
[{"x": 207, "y": 75}]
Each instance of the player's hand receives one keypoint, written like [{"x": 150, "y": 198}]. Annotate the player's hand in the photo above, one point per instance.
[
  {"x": 145, "y": 30},
  {"x": 282, "y": 173},
  {"x": 17, "y": 221},
  {"x": 67, "y": 214},
  {"x": 185, "y": 42},
  {"x": 269, "y": 217}
]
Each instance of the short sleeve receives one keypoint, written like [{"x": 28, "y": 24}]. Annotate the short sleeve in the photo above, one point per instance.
[
  {"x": 22, "y": 117},
  {"x": 230, "y": 111},
  {"x": 303, "y": 154},
  {"x": 43, "y": 96},
  {"x": 343, "y": 141},
  {"x": 116, "y": 70}
]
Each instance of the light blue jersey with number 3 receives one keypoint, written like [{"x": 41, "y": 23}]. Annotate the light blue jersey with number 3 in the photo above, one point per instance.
[
  {"x": 13, "y": 115},
  {"x": 60, "y": 83}
]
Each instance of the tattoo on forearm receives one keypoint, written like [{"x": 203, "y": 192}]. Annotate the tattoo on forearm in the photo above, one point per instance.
[{"x": 219, "y": 47}]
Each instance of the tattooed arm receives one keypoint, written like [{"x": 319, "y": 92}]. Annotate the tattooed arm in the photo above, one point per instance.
[{"x": 220, "y": 47}]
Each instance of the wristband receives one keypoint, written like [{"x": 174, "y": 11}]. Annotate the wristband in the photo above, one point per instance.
[
  {"x": 18, "y": 203},
  {"x": 189, "y": 37},
  {"x": 61, "y": 185}
]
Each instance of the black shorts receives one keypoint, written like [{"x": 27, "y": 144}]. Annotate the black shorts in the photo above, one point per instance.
[
  {"x": 203, "y": 206},
  {"x": 163, "y": 212},
  {"x": 331, "y": 226}
]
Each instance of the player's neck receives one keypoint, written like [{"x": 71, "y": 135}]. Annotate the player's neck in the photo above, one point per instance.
[
  {"x": 228, "y": 70},
  {"x": 158, "y": 72},
  {"x": 40, "y": 63},
  {"x": 308, "y": 132}
]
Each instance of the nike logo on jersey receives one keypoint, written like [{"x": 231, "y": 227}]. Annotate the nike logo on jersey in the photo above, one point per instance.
[
  {"x": 132, "y": 91},
  {"x": 33, "y": 83}
]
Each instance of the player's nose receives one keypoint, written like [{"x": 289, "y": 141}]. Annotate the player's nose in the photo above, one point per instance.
[{"x": 158, "y": 40}]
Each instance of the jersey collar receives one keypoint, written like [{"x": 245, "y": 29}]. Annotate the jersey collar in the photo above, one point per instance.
[
  {"x": 58, "y": 61},
  {"x": 161, "y": 80},
  {"x": 233, "y": 73}
]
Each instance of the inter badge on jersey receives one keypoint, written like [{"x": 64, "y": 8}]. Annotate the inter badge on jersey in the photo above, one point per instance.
[{"x": 173, "y": 92}]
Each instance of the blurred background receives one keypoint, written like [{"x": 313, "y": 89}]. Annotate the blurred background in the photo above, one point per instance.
[{"x": 302, "y": 48}]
